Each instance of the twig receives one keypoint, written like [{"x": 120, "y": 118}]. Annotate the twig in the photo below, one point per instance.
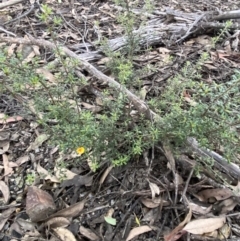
[{"x": 7, "y": 32}]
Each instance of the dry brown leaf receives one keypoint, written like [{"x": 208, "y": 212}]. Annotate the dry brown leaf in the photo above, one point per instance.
[
  {"x": 190, "y": 101},
  {"x": 71, "y": 211},
  {"x": 60, "y": 172},
  {"x": 218, "y": 193},
  {"x": 5, "y": 216},
  {"x": 170, "y": 158},
  {"x": 4, "y": 146},
  {"x": 64, "y": 234},
  {"x": 177, "y": 232},
  {"x": 105, "y": 174},
  {"x": 236, "y": 189},
  {"x": 38, "y": 142},
  {"x": 11, "y": 49},
  {"x": 88, "y": 233},
  {"x": 154, "y": 189},
  {"x": 199, "y": 209},
  {"x": 225, "y": 206},
  {"x": 92, "y": 108},
  {"x": 178, "y": 179},
  {"x": 224, "y": 232},
  {"x": 207, "y": 225},
  {"x": 7, "y": 169},
  {"x": 137, "y": 231},
  {"x": 46, "y": 74},
  {"x": 41, "y": 171},
  {"x": 22, "y": 160},
  {"x": 57, "y": 222},
  {"x": 25, "y": 225},
  {"x": 210, "y": 66},
  {"x": 149, "y": 203},
  {"x": 10, "y": 119},
  {"x": 4, "y": 135},
  {"x": 39, "y": 204},
  {"x": 5, "y": 191},
  {"x": 36, "y": 49}
]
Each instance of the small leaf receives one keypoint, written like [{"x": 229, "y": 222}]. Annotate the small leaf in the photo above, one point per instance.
[
  {"x": 5, "y": 191},
  {"x": 38, "y": 142},
  {"x": 110, "y": 220}
]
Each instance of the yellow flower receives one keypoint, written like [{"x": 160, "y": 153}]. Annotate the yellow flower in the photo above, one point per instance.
[{"x": 80, "y": 150}]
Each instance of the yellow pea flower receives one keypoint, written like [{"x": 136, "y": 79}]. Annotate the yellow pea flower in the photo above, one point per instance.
[{"x": 80, "y": 150}]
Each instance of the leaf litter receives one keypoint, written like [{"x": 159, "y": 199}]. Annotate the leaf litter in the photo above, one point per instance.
[{"x": 73, "y": 207}]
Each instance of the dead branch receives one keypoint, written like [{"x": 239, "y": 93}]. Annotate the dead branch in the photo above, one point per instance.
[
  {"x": 10, "y": 3},
  {"x": 168, "y": 28},
  {"x": 228, "y": 15}
]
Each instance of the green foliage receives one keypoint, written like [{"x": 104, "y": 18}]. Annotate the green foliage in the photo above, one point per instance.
[
  {"x": 222, "y": 33},
  {"x": 207, "y": 111},
  {"x": 30, "y": 178},
  {"x": 188, "y": 107}
]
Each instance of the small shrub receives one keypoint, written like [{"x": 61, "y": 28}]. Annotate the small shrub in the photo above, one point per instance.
[{"x": 188, "y": 107}]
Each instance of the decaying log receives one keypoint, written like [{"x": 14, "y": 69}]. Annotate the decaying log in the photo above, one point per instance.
[{"x": 168, "y": 28}]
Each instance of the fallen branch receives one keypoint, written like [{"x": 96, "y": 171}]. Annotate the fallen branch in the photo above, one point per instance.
[
  {"x": 10, "y": 3},
  {"x": 228, "y": 15}
]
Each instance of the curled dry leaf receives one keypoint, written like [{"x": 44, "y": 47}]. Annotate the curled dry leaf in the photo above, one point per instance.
[
  {"x": 88, "y": 233},
  {"x": 5, "y": 216},
  {"x": 217, "y": 193},
  {"x": 137, "y": 231},
  {"x": 22, "y": 160},
  {"x": 206, "y": 225},
  {"x": 200, "y": 209},
  {"x": 5, "y": 191},
  {"x": 224, "y": 232},
  {"x": 46, "y": 74},
  {"x": 25, "y": 225},
  {"x": 46, "y": 174},
  {"x": 64, "y": 171},
  {"x": 177, "y": 232},
  {"x": 171, "y": 161},
  {"x": 105, "y": 174},
  {"x": 71, "y": 211},
  {"x": 225, "y": 206},
  {"x": 4, "y": 146},
  {"x": 64, "y": 234},
  {"x": 38, "y": 142},
  {"x": 10, "y": 119},
  {"x": 153, "y": 203},
  {"x": 57, "y": 222},
  {"x": 154, "y": 189},
  {"x": 7, "y": 168}
]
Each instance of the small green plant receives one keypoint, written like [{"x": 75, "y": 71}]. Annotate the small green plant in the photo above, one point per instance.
[
  {"x": 222, "y": 32},
  {"x": 30, "y": 178}
]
